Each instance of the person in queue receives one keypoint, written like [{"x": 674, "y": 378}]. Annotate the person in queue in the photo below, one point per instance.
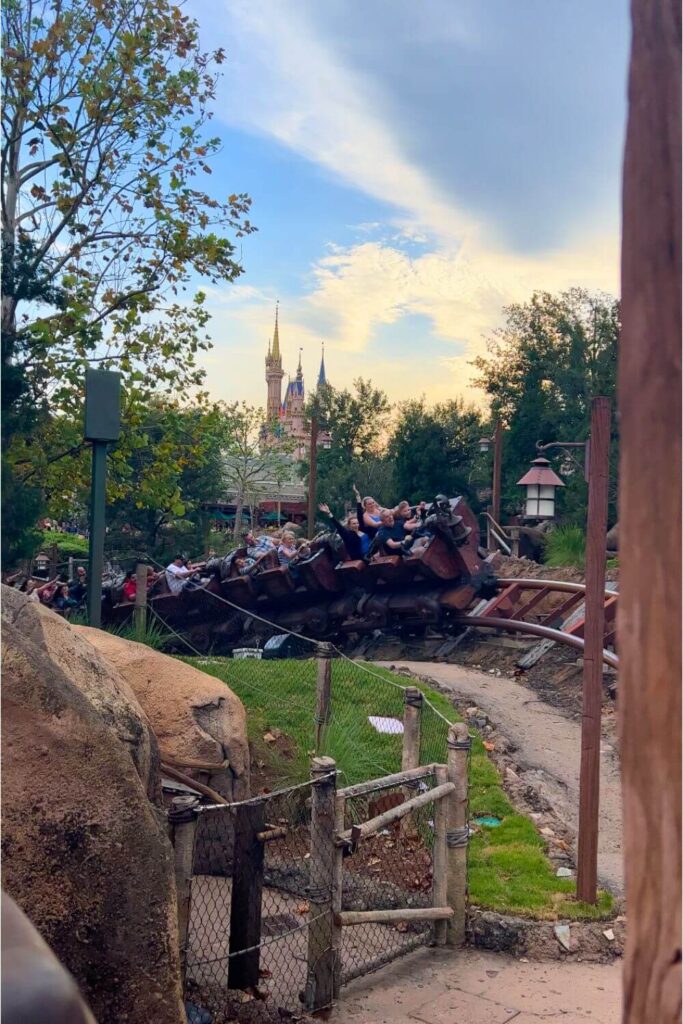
[{"x": 356, "y": 541}]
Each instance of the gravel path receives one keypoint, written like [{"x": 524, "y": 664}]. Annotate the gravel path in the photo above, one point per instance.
[{"x": 548, "y": 751}]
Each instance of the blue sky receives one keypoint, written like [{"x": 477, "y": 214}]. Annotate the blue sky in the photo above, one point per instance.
[{"x": 413, "y": 168}]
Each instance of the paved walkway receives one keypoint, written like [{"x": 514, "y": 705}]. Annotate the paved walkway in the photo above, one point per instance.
[
  {"x": 548, "y": 751},
  {"x": 470, "y": 987}
]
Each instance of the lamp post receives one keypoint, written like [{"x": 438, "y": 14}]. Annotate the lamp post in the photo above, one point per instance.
[
  {"x": 596, "y": 467},
  {"x": 484, "y": 445},
  {"x": 102, "y": 425}
]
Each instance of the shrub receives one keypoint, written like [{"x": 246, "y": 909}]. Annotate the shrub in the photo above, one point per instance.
[{"x": 566, "y": 545}]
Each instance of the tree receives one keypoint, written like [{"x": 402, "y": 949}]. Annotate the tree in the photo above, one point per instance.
[
  {"x": 554, "y": 354},
  {"x": 436, "y": 450},
  {"x": 251, "y": 464},
  {"x": 357, "y": 423},
  {"x": 104, "y": 222}
]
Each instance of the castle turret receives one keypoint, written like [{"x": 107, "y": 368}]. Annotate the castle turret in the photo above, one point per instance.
[
  {"x": 274, "y": 374},
  {"x": 322, "y": 378}
]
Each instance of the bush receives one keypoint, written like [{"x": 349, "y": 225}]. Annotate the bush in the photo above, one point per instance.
[
  {"x": 68, "y": 544},
  {"x": 566, "y": 546}
]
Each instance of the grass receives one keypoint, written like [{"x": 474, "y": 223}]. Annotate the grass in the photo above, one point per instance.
[
  {"x": 508, "y": 867},
  {"x": 566, "y": 545},
  {"x": 67, "y": 543}
]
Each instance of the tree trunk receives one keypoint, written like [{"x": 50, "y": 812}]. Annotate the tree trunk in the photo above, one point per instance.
[{"x": 650, "y": 586}]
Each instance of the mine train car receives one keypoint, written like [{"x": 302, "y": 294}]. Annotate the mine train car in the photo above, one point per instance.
[{"x": 329, "y": 596}]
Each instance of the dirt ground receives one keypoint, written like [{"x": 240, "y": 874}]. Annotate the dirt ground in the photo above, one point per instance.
[{"x": 545, "y": 743}]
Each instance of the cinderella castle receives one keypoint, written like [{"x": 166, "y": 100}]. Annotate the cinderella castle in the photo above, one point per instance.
[{"x": 285, "y": 417}]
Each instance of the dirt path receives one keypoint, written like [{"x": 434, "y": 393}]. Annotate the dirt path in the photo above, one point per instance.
[
  {"x": 548, "y": 751},
  {"x": 472, "y": 987}
]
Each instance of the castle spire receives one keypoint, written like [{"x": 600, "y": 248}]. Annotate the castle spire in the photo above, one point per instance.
[
  {"x": 299, "y": 371},
  {"x": 322, "y": 379},
  {"x": 276, "y": 335}
]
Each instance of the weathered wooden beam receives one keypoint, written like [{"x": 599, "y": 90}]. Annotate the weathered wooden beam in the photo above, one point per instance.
[
  {"x": 347, "y": 917},
  {"x": 440, "y": 860},
  {"x": 388, "y": 781},
  {"x": 368, "y": 828},
  {"x": 245, "y": 905},
  {"x": 323, "y": 973}
]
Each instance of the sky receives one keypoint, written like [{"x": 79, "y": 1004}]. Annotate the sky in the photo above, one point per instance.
[{"x": 413, "y": 168}]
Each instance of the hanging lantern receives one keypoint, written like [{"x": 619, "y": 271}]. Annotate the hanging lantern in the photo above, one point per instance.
[
  {"x": 42, "y": 563},
  {"x": 540, "y": 483},
  {"x": 484, "y": 444}
]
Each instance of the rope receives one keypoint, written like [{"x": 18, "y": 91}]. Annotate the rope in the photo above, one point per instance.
[
  {"x": 260, "y": 945},
  {"x": 269, "y": 796}
]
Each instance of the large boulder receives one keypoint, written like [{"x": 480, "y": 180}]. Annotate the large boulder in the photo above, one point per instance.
[
  {"x": 99, "y": 681},
  {"x": 85, "y": 853},
  {"x": 195, "y": 717}
]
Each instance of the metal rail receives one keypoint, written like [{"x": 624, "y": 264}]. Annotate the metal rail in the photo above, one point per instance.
[
  {"x": 534, "y": 629},
  {"x": 562, "y": 586}
]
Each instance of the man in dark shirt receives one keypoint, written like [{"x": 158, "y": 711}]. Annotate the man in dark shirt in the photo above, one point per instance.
[{"x": 390, "y": 535}]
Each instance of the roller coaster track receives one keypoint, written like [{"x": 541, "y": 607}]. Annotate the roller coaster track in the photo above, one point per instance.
[{"x": 512, "y": 607}]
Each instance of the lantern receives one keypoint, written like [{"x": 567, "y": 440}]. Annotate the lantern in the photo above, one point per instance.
[
  {"x": 540, "y": 483},
  {"x": 42, "y": 564},
  {"x": 484, "y": 444}
]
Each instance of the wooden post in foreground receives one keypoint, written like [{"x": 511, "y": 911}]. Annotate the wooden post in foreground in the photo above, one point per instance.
[
  {"x": 323, "y": 687},
  {"x": 410, "y": 754},
  {"x": 312, "y": 477},
  {"x": 591, "y": 712},
  {"x": 649, "y": 622},
  {"x": 440, "y": 858},
  {"x": 183, "y": 817},
  {"x": 247, "y": 889},
  {"x": 140, "y": 613},
  {"x": 322, "y": 979},
  {"x": 457, "y": 833}
]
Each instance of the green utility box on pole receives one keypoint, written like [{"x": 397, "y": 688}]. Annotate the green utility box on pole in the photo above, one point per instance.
[{"x": 102, "y": 426}]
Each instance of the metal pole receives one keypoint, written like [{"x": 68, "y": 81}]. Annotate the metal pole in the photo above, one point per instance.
[
  {"x": 497, "y": 464},
  {"x": 96, "y": 548},
  {"x": 312, "y": 477},
  {"x": 596, "y": 554}
]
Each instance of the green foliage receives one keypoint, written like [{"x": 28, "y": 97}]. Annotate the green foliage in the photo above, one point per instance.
[
  {"x": 437, "y": 450},
  {"x": 105, "y": 222},
  {"x": 357, "y": 421},
  {"x": 507, "y": 866},
  {"x": 566, "y": 545},
  {"x": 151, "y": 635},
  {"x": 554, "y": 354},
  {"x": 68, "y": 544}
]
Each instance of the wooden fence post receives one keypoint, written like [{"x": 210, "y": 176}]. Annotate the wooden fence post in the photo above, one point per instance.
[
  {"x": 323, "y": 687},
  {"x": 247, "y": 889},
  {"x": 338, "y": 890},
  {"x": 440, "y": 858},
  {"x": 322, "y": 981},
  {"x": 140, "y": 612},
  {"x": 183, "y": 817},
  {"x": 457, "y": 834},
  {"x": 410, "y": 754}
]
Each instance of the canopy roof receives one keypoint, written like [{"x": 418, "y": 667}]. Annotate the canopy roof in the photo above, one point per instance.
[{"x": 540, "y": 473}]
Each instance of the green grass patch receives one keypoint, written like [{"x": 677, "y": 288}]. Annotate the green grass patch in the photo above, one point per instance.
[
  {"x": 565, "y": 545},
  {"x": 508, "y": 867}
]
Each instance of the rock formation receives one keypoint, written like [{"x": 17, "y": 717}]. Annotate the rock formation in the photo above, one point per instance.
[{"x": 194, "y": 716}]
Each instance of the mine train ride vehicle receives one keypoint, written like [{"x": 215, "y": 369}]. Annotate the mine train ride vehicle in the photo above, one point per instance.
[{"x": 329, "y": 596}]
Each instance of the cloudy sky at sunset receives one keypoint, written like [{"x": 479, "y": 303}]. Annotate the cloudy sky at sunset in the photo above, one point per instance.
[{"x": 413, "y": 168}]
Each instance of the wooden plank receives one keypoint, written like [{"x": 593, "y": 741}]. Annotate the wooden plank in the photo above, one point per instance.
[
  {"x": 524, "y": 609},
  {"x": 388, "y": 781},
  {"x": 347, "y": 917},
  {"x": 369, "y": 828},
  {"x": 560, "y": 614},
  {"x": 247, "y": 888}
]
